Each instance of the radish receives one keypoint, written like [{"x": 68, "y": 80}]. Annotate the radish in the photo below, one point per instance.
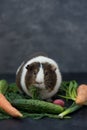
[{"x": 59, "y": 102}]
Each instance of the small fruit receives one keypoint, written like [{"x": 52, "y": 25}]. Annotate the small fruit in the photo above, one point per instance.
[{"x": 59, "y": 102}]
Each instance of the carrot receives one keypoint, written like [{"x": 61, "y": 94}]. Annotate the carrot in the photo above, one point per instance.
[
  {"x": 8, "y": 108},
  {"x": 81, "y": 98}
]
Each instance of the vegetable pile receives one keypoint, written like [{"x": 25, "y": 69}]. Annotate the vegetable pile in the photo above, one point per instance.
[{"x": 16, "y": 105}]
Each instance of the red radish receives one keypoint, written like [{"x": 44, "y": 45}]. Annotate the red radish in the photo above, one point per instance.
[{"x": 59, "y": 102}]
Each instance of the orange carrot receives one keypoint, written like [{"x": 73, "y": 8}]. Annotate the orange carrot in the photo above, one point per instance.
[
  {"x": 8, "y": 108},
  {"x": 81, "y": 98}
]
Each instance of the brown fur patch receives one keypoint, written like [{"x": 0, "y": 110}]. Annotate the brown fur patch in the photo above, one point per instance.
[
  {"x": 50, "y": 76},
  {"x": 32, "y": 71}
]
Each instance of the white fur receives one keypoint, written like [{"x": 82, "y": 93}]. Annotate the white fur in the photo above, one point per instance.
[
  {"x": 41, "y": 59},
  {"x": 40, "y": 76},
  {"x": 22, "y": 82}
]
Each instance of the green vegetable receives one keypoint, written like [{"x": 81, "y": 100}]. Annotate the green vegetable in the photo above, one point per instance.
[
  {"x": 37, "y": 109},
  {"x": 3, "y": 86},
  {"x": 72, "y": 108},
  {"x": 42, "y": 115},
  {"x": 12, "y": 93},
  {"x": 13, "y": 88},
  {"x": 31, "y": 115},
  {"x": 37, "y": 106},
  {"x": 39, "y": 115},
  {"x": 34, "y": 91},
  {"x": 4, "y": 116},
  {"x": 70, "y": 91}
]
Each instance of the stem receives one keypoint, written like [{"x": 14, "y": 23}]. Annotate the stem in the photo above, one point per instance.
[
  {"x": 69, "y": 110},
  {"x": 67, "y": 97}
]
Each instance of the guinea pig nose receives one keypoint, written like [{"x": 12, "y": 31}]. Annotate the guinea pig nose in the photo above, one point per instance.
[{"x": 39, "y": 82}]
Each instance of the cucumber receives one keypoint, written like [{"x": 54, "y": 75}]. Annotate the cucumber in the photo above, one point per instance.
[
  {"x": 3, "y": 86},
  {"x": 37, "y": 106}
]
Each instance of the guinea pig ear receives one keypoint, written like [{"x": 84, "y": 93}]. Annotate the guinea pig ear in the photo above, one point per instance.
[
  {"x": 27, "y": 67},
  {"x": 53, "y": 68}
]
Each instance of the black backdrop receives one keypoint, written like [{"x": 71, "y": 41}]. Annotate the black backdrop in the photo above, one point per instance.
[{"x": 56, "y": 27}]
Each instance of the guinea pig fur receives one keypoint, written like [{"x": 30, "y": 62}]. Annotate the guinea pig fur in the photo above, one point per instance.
[{"x": 42, "y": 72}]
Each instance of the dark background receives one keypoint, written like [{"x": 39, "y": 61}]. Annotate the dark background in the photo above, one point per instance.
[{"x": 56, "y": 27}]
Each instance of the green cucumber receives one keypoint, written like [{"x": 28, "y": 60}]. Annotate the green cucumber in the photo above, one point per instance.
[{"x": 37, "y": 106}]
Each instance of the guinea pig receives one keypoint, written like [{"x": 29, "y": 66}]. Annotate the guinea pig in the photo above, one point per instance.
[{"x": 42, "y": 72}]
